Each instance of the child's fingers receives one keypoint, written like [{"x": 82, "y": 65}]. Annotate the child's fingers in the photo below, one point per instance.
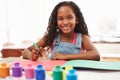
[
  {"x": 42, "y": 49},
  {"x": 54, "y": 57},
  {"x": 35, "y": 54},
  {"x": 35, "y": 51}
]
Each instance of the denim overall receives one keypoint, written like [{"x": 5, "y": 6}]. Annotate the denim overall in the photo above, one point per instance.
[{"x": 67, "y": 48}]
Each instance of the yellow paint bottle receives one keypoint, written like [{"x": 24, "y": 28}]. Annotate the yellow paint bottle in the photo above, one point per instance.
[
  {"x": 67, "y": 68},
  {"x": 4, "y": 70}
]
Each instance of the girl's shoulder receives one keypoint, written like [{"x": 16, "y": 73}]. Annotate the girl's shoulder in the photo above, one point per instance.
[
  {"x": 85, "y": 38},
  {"x": 82, "y": 36}
]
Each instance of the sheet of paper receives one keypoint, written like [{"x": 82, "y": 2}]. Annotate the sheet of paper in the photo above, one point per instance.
[
  {"x": 48, "y": 64},
  {"x": 89, "y": 64}
]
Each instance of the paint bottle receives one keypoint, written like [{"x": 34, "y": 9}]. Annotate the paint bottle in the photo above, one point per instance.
[
  {"x": 57, "y": 73},
  {"x": 65, "y": 71},
  {"x": 29, "y": 72},
  {"x": 4, "y": 70},
  {"x": 40, "y": 73},
  {"x": 71, "y": 75},
  {"x": 17, "y": 71}
]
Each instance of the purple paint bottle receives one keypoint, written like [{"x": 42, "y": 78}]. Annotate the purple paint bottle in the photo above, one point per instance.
[{"x": 16, "y": 70}]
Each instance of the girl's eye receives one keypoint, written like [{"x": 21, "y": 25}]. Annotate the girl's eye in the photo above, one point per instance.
[
  {"x": 60, "y": 18},
  {"x": 69, "y": 17}
]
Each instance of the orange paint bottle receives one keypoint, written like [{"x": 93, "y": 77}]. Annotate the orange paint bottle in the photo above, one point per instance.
[{"x": 4, "y": 70}]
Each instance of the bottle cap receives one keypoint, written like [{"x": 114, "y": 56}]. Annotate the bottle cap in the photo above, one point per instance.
[{"x": 68, "y": 68}]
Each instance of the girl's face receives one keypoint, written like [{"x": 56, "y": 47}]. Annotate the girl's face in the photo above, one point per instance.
[{"x": 66, "y": 19}]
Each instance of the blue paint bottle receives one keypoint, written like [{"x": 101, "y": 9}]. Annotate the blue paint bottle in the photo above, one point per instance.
[
  {"x": 40, "y": 73},
  {"x": 71, "y": 75}
]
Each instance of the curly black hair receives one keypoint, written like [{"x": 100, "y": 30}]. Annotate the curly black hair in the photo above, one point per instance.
[{"x": 81, "y": 27}]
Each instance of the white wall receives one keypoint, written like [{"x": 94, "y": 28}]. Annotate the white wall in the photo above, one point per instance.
[{"x": 27, "y": 19}]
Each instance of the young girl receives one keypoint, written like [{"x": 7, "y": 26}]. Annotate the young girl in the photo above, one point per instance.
[{"x": 67, "y": 35}]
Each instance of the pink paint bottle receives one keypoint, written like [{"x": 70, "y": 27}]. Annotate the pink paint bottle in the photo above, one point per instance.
[{"x": 29, "y": 72}]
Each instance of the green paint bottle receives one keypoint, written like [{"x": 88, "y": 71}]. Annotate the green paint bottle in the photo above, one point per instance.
[{"x": 58, "y": 73}]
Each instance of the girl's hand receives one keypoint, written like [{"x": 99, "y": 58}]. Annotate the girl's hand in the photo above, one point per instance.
[
  {"x": 59, "y": 56},
  {"x": 35, "y": 54}
]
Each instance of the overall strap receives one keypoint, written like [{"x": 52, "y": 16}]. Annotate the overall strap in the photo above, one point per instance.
[
  {"x": 78, "y": 43},
  {"x": 57, "y": 40}
]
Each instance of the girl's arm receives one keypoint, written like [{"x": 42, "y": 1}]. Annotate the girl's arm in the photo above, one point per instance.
[
  {"x": 29, "y": 52},
  {"x": 40, "y": 43},
  {"x": 90, "y": 52}
]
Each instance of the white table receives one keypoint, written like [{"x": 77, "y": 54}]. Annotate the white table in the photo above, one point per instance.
[
  {"x": 82, "y": 74},
  {"x": 98, "y": 75}
]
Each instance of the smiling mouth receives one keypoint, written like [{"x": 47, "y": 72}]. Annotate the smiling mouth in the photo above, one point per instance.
[{"x": 66, "y": 28}]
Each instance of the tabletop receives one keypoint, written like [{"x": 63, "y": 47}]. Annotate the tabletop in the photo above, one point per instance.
[{"x": 83, "y": 74}]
